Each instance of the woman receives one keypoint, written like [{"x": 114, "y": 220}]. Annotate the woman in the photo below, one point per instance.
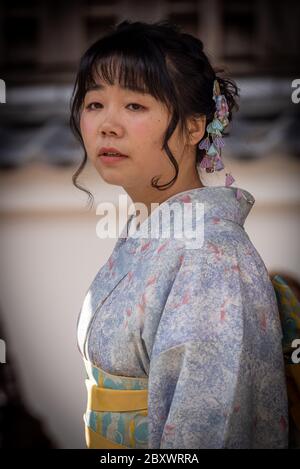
[{"x": 181, "y": 339}]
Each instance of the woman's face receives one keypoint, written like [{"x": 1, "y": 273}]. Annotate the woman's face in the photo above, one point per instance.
[{"x": 133, "y": 123}]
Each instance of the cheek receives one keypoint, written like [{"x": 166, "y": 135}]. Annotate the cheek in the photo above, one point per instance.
[
  {"x": 86, "y": 128},
  {"x": 83, "y": 127},
  {"x": 148, "y": 132}
]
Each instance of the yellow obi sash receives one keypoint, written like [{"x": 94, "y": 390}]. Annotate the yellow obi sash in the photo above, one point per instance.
[{"x": 117, "y": 410}]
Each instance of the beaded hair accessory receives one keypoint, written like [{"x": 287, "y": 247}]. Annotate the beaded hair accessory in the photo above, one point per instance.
[{"x": 212, "y": 144}]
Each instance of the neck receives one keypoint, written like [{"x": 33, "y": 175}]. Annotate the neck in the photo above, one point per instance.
[{"x": 150, "y": 195}]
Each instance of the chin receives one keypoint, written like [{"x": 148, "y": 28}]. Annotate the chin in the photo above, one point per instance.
[{"x": 111, "y": 177}]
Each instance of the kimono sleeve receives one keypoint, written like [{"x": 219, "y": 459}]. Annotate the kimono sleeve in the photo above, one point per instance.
[{"x": 200, "y": 387}]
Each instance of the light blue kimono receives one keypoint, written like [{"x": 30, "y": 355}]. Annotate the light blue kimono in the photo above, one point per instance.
[{"x": 201, "y": 323}]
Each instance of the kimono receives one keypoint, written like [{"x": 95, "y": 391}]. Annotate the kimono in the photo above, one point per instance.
[{"x": 195, "y": 325}]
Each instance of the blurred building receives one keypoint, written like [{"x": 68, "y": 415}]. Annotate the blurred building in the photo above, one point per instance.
[{"x": 41, "y": 43}]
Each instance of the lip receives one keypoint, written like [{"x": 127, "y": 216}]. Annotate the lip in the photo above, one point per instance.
[
  {"x": 110, "y": 150},
  {"x": 112, "y": 159}
]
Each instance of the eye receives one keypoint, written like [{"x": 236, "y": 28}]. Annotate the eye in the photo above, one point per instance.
[
  {"x": 90, "y": 106},
  {"x": 135, "y": 104},
  {"x": 95, "y": 105}
]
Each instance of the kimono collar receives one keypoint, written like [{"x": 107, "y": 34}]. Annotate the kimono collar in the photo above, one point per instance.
[{"x": 219, "y": 203}]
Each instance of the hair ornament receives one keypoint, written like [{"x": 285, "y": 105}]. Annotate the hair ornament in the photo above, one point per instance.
[{"x": 214, "y": 142}]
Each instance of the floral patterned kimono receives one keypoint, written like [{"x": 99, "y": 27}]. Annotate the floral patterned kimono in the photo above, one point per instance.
[{"x": 182, "y": 345}]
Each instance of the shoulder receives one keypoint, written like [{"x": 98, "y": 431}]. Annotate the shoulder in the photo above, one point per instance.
[{"x": 186, "y": 260}]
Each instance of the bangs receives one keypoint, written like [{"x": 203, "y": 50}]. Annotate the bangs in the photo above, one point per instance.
[{"x": 137, "y": 68}]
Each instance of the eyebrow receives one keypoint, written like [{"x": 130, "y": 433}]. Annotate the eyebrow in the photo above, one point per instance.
[
  {"x": 98, "y": 86},
  {"x": 95, "y": 86}
]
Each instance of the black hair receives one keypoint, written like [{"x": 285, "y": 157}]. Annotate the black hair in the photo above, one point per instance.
[{"x": 159, "y": 59}]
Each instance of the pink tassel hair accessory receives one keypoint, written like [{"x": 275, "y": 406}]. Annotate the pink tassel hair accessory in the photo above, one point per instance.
[{"x": 212, "y": 144}]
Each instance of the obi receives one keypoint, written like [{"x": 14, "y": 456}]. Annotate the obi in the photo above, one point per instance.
[{"x": 117, "y": 409}]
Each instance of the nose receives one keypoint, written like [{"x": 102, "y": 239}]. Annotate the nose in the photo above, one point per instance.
[
  {"x": 108, "y": 130},
  {"x": 110, "y": 127}
]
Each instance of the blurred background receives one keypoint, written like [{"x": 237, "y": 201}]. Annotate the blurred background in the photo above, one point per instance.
[{"x": 49, "y": 249}]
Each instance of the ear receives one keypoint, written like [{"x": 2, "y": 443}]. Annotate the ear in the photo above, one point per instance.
[{"x": 196, "y": 129}]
